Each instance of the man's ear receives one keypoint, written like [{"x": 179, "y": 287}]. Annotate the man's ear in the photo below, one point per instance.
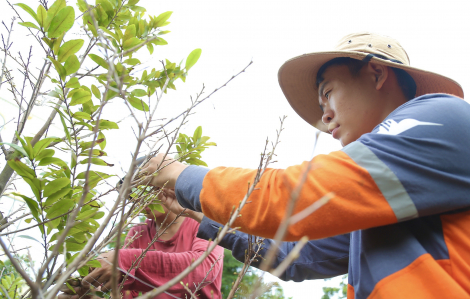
[{"x": 380, "y": 73}]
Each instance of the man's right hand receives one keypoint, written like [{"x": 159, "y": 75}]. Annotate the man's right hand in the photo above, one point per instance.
[
  {"x": 79, "y": 291},
  {"x": 168, "y": 199},
  {"x": 169, "y": 171}
]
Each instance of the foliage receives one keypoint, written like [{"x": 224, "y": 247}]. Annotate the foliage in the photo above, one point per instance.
[
  {"x": 341, "y": 291},
  {"x": 83, "y": 73},
  {"x": 190, "y": 148},
  {"x": 60, "y": 186},
  {"x": 12, "y": 284},
  {"x": 230, "y": 274}
]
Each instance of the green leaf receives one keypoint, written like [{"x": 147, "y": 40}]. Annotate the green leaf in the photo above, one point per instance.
[
  {"x": 32, "y": 205},
  {"x": 129, "y": 33},
  {"x": 102, "y": 137},
  {"x": 87, "y": 214},
  {"x": 162, "y": 18},
  {"x": 69, "y": 48},
  {"x": 96, "y": 92},
  {"x": 53, "y": 198},
  {"x": 99, "y": 60},
  {"x": 80, "y": 97},
  {"x": 138, "y": 103},
  {"x": 73, "y": 83},
  {"x": 131, "y": 42},
  {"x": 28, "y": 10},
  {"x": 98, "y": 215},
  {"x": 156, "y": 207},
  {"x": 52, "y": 12},
  {"x": 139, "y": 93},
  {"x": 41, "y": 145},
  {"x": 107, "y": 125},
  {"x": 57, "y": 43},
  {"x": 52, "y": 160},
  {"x": 133, "y": 2},
  {"x": 150, "y": 48},
  {"x": 96, "y": 161},
  {"x": 21, "y": 169},
  {"x": 132, "y": 61},
  {"x": 29, "y": 25},
  {"x": 94, "y": 264},
  {"x": 42, "y": 15},
  {"x": 138, "y": 9},
  {"x": 60, "y": 208},
  {"x": 59, "y": 68},
  {"x": 45, "y": 153},
  {"x": 16, "y": 147},
  {"x": 95, "y": 152},
  {"x": 66, "y": 130},
  {"x": 73, "y": 161},
  {"x": 62, "y": 22},
  {"x": 81, "y": 115},
  {"x": 197, "y": 134},
  {"x": 159, "y": 42},
  {"x": 87, "y": 144},
  {"x": 83, "y": 271},
  {"x": 55, "y": 185},
  {"x": 36, "y": 186},
  {"x": 72, "y": 65},
  {"x": 193, "y": 57}
]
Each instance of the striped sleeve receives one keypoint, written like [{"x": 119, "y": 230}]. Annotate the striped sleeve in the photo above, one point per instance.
[{"x": 363, "y": 196}]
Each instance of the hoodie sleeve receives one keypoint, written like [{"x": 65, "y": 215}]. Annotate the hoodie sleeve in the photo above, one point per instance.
[
  {"x": 414, "y": 164},
  {"x": 323, "y": 258}
]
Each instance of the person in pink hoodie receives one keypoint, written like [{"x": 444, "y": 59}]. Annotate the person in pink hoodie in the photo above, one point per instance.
[{"x": 172, "y": 252}]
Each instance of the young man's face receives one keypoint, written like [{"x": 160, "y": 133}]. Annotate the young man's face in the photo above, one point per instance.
[{"x": 350, "y": 104}]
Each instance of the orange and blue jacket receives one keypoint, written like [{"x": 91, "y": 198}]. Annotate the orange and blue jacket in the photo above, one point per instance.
[{"x": 402, "y": 192}]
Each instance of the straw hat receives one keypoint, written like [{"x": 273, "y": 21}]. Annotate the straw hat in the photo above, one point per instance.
[{"x": 297, "y": 76}]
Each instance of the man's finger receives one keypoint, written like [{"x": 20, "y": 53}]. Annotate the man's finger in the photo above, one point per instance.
[
  {"x": 92, "y": 279},
  {"x": 65, "y": 289}
]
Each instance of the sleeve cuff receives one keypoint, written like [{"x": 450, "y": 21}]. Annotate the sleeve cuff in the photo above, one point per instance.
[{"x": 189, "y": 185}]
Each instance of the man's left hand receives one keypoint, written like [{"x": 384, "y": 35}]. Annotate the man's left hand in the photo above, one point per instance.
[{"x": 101, "y": 276}]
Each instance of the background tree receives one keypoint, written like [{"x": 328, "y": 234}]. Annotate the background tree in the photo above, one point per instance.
[{"x": 230, "y": 273}]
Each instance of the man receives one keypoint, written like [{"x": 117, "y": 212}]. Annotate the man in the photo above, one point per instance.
[
  {"x": 401, "y": 182},
  {"x": 168, "y": 256}
]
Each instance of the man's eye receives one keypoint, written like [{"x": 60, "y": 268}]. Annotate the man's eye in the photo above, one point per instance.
[{"x": 327, "y": 95}]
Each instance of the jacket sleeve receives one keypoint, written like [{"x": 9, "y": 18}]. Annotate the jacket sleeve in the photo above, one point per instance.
[
  {"x": 158, "y": 267},
  {"x": 413, "y": 164},
  {"x": 323, "y": 258}
]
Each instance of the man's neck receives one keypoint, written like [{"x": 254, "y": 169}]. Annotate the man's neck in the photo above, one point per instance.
[{"x": 170, "y": 226}]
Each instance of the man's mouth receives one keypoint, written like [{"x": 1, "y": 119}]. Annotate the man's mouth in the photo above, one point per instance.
[{"x": 333, "y": 128}]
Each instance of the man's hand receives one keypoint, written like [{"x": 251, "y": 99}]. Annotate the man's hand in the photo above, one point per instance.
[
  {"x": 168, "y": 198},
  {"x": 101, "y": 277},
  {"x": 79, "y": 292},
  {"x": 169, "y": 171}
]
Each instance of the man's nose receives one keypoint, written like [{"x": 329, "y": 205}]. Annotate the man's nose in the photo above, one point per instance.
[{"x": 327, "y": 116}]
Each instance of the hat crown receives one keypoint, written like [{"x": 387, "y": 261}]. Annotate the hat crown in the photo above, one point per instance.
[{"x": 376, "y": 44}]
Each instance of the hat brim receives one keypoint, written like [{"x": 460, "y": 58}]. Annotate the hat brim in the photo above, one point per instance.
[{"x": 297, "y": 78}]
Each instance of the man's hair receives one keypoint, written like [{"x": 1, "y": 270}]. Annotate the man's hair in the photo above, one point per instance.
[{"x": 405, "y": 81}]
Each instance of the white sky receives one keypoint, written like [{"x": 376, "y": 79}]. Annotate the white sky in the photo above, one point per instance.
[{"x": 239, "y": 117}]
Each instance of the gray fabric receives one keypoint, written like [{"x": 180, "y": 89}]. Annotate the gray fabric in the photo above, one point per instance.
[
  {"x": 189, "y": 185},
  {"x": 386, "y": 180}
]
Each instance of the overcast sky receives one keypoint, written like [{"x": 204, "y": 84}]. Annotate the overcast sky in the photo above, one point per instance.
[{"x": 239, "y": 117}]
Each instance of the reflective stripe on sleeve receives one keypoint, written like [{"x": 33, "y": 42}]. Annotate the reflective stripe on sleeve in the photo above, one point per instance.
[{"x": 386, "y": 180}]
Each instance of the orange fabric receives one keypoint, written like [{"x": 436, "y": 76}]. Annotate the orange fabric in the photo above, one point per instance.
[
  {"x": 350, "y": 294},
  {"x": 422, "y": 279},
  {"x": 456, "y": 229},
  {"x": 358, "y": 203}
]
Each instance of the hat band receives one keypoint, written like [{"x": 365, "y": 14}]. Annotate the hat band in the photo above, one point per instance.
[{"x": 369, "y": 57}]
